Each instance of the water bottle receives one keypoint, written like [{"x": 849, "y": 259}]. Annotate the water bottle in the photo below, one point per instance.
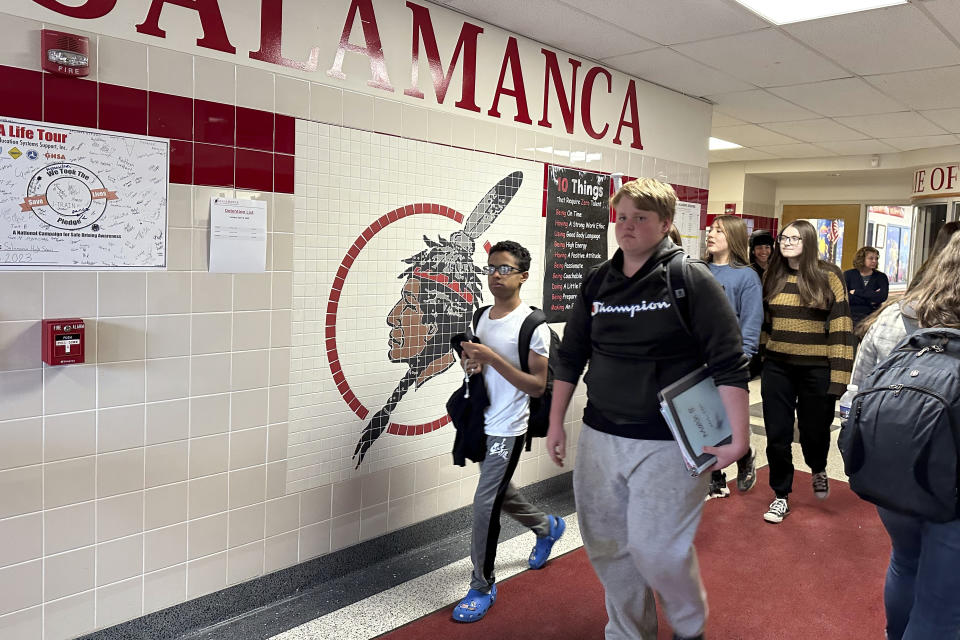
[{"x": 846, "y": 400}]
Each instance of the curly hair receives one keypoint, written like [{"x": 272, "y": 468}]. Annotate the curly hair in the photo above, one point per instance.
[
  {"x": 860, "y": 260},
  {"x": 515, "y": 249}
]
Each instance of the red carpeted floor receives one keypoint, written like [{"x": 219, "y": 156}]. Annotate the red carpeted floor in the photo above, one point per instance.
[{"x": 817, "y": 575}]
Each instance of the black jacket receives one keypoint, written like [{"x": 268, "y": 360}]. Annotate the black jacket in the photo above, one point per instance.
[
  {"x": 635, "y": 345},
  {"x": 866, "y": 298},
  {"x": 467, "y": 416}
]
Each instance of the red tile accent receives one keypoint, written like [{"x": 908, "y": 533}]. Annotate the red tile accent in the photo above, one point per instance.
[
  {"x": 122, "y": 109},
  {"x": 181, "y": 162},
  {"x": 213, "y": 165},
  {"x": 69, "y": 100},
  {"x": 283, "y": 177},
  {"x": 213, "y": 122},
  {"x": 285, "y": 134},
  {"x": 254, "y": 129},
  {"x": 21, "y": 93},
  {"x": 254, "y": 170},
  {"x": 171, "y": 116}
]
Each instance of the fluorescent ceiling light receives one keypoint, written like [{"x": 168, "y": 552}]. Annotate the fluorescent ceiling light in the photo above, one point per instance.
[
  {"x": 781, "y": 12},
  {"x": 716, "y": 144}
]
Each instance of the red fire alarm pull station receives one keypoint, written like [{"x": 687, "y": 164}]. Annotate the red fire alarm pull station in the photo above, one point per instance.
[
  {"x": 62, "y": 341},
  {"x": 65, "y": 54}
]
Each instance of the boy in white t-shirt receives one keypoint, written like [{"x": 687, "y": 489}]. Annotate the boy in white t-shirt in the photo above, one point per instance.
[{"x": 497, "y": 358}]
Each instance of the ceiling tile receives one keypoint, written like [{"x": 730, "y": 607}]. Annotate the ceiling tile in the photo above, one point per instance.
[
  {"x": 723, "y": 120},
  {"x": 673, "y": 21},
  {"x": 670, "y": 69},
  {"x": 747, "y": 154},
  {"x": 921, "y": 142},
  {"x": 896, "y": 38},
  {"x": 819, "y": 130},
  {"x": 857, "y": 147},
  {"x": 949, "y": 119},
  {"x": 759, "y": 106},
  {"x": 844, "y": 97},
  {"x": 558, "y": 25},
  {"x": 750, "y": 135},
  {"x": 946, "y": 12},
  {"x": 765, "y": 58},
  {"x": 926, "y": 89},
  {"x": 796, "y": 151},
  {"x": 892, "y": 125}
]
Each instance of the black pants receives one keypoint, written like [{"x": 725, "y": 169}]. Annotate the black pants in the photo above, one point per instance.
[{"x": 786, "y": 389}]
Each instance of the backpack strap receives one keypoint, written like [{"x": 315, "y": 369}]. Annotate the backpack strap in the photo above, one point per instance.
[
  {"x": 676, "y": 289},
  {"x": 476, "y": 316},
  {"x": 533, "y": 320}
]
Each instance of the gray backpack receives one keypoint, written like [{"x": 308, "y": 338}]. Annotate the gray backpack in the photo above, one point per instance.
[{"x": 901, "y": 441}]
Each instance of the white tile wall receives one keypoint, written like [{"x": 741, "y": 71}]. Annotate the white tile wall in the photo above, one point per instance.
[{"x": 204, "y": 442}]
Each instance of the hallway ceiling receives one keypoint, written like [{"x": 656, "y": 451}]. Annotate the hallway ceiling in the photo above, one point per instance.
[{"x": 873, "y": 82}]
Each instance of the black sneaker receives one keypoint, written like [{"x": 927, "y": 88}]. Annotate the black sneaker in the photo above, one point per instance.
[
  {"x": 747, "y": 471},
  {"x": 777, "y": 511},
  {"x": 718, "y": 486},
  {"x": 821, "y": 485}
]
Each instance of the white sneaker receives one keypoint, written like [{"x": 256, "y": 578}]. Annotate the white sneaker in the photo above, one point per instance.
[{"x": 777, "y": 511}]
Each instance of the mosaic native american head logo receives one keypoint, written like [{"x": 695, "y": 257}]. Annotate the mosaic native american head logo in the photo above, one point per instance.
[{"x": 440, "y": 291}]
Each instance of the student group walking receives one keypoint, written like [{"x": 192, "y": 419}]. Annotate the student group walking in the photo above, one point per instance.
[{"x": 756, "y": 305}]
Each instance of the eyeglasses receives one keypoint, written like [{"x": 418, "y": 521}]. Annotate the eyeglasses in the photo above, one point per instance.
[
  {"x": 503, "y": 269},
  {"x": 789, "y": 240}
]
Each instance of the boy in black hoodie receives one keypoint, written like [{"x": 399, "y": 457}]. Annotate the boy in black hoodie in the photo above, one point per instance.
[{"x": 638, "y": 507}]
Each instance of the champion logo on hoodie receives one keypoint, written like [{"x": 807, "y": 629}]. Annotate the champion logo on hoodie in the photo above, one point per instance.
[{"x": 631, "y": 309}]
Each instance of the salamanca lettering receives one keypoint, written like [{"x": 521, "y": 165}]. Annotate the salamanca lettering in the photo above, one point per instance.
[{"x": 632, "y": 309}]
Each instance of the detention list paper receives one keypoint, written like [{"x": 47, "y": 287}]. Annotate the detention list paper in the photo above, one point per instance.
[{"x": 238, "y": 236}]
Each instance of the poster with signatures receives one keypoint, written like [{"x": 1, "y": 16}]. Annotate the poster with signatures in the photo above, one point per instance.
[{"x": 74, "y": 198}]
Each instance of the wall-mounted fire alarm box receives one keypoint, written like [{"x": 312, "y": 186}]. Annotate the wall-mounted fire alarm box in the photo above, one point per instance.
[
  {"x": 65, "y": 54},
  {"x": 62, "y": 341}
]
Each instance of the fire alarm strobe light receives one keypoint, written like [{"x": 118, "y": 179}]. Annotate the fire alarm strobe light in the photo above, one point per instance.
[{"x": 65, "y": 54}]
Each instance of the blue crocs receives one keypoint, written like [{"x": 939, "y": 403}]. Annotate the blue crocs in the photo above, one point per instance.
[
  {"x": 475, "y": 605},
  {"x": 544, "y": 544}
]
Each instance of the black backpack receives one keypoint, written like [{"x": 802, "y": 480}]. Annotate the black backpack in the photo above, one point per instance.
[
  {"x": 901, "y": 441},
  {"x": 539, "y": 421}
]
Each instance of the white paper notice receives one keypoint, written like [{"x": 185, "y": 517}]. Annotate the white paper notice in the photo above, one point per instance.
[
  {"x": 687, "y": 219},
  {"x": 238, "y": 236}
]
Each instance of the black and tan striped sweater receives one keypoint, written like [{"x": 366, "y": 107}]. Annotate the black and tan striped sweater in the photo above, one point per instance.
[{"x": 800, "y": 334}]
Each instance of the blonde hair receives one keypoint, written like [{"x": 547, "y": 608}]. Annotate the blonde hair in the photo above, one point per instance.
[
  {"x": 648, "y": 194},
  {"x": 735, "y": 231},
  {"x": 936, "y": 299}
]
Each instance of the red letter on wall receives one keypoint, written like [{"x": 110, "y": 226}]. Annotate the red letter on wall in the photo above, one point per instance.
[
  {"x": 214, "y": 33},
  {"x": 467, "y": 43},
  {"x": 587, "y": 98},
  {"x": 511, "y": 56},
  {"x": 630, "y": 100},
  {"x": 373, "y": 49},
  {"x": 87, "y": 11},
  {"x": 567, "y": 107},
  {"x": 271, "y": 30}
]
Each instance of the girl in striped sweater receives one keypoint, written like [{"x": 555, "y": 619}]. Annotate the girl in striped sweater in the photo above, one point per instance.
[{"x": 808, "y": 361}]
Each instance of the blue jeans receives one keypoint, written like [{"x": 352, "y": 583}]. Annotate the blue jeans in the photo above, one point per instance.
[{"x": 922, "y": 590}]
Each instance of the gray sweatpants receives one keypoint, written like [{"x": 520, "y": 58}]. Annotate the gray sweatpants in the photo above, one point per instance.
[
  {"x": 494, "y": 493},
  {"x": 638, "y": 510}
]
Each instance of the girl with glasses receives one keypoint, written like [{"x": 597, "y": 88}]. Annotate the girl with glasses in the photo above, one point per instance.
[
  {"x": 729, "y": 263},
  {"x": 809, "y": 357}
]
